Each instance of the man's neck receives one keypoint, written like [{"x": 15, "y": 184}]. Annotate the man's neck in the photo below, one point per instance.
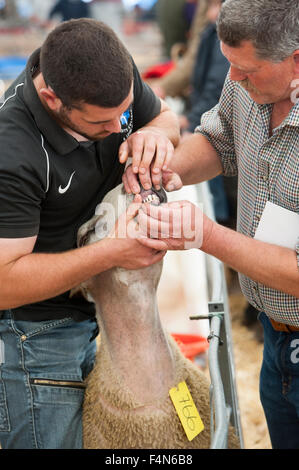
[
  {"x": 284, "y": 107},
  {"x": 78, "y": 137},
  {"x": 279, "y": 113}
]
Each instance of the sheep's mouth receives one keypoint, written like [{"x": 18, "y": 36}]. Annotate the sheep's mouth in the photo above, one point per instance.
[{"x": 153, "y": 196}]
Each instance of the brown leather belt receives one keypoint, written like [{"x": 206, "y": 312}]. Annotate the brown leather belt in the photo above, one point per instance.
[{"x": 283, "y": 326}]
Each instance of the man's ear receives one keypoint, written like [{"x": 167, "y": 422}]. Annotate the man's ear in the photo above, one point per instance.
[
  {"x": 296, "y": 61},
  {"x": 53, "y": 102}
]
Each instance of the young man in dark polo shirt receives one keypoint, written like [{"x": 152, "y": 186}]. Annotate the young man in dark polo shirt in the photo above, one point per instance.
[{"x": 67, "y": 126}]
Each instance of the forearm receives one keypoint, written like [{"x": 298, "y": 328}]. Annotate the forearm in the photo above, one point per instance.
[
  {"x": 38, "y": 276},
  {"x": 271, "y": 265},
  {"x": 196, "y": 160}
]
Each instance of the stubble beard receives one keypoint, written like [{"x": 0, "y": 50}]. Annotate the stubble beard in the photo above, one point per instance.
[{"x": 63, "y": 120}]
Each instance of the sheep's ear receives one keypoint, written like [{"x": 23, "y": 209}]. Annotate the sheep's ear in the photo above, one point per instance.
[{"x": 86, "y": 231}]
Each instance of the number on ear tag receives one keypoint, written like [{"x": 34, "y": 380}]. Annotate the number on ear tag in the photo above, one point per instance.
[{"x": 186, "y": 410}]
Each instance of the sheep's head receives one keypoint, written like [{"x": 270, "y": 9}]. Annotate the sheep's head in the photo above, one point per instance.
[
  {"x": 100, "y": 225},
  {"x": 109, "y": 210}
]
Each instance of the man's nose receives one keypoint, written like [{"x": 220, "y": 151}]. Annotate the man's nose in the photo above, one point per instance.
[
  {"x": 113, "y": 126},
  {"x": 237, "y": 75}
]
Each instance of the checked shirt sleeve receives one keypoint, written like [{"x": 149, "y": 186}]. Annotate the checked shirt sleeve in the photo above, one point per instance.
[{"x": 217, "y": 126}]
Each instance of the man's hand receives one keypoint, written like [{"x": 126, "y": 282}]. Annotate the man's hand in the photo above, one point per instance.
[
  {"x": 184, "y": 122},
  {"x": 168, "y": 179},
  {"x": 174, "y": 226},
  {"x": 128, "y": 253},
  {"x": 151, "y": 152}
]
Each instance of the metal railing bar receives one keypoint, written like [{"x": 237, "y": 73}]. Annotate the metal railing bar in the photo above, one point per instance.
[
  {"x": 223, "y": 394},
  {"x": 219, "y": 440}
]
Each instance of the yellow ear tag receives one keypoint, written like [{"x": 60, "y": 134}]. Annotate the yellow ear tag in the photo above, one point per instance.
[{"x": 186, "y": 410}]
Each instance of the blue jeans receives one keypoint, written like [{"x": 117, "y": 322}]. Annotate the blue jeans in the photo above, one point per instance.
[
  {"x": 42, "y": 368},
  {"x": 279, "y": 385},
  {"x": 220, "y": 201}
]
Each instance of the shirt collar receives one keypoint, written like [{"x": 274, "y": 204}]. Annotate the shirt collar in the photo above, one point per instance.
[
  {"x": 62, "y": 142},
  {"x": 293, "y": 117}
]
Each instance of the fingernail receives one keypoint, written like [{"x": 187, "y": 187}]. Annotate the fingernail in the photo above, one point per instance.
[
  {"x": 147, "y": 186},
  {"x": 135, "y": 169},
  {"x": 156, "y": 170},
  {"x": 142, "y": 171}
]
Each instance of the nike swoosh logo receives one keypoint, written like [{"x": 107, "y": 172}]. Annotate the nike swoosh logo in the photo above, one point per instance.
[{"x": 64, "y": 190}]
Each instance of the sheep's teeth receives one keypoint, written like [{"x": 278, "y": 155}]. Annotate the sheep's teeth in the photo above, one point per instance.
[{"x": 151, "y": 198}]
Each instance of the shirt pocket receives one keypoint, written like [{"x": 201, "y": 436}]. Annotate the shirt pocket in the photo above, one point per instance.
[{"x": 287, "y": 186}]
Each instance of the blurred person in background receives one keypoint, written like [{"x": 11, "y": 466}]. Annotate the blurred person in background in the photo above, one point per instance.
[
  {"x": 209, "y": 73},
  {"x": 8, "y": 9},
  {"x": 10, "y": 12},
  {"x": 211, "y": 68},
  {"x": 176, "y": 83},
  {"x": 71, "y": 9},
  {"x": 173, "y": 22}
]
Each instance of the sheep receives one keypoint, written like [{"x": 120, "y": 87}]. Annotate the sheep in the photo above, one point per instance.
[{"x": 127, "y": 403}]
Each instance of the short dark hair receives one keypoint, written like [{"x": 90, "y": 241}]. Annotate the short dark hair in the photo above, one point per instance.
[
  {"x": 271, "y": 25},
  {"x": 83, "y": 61}
]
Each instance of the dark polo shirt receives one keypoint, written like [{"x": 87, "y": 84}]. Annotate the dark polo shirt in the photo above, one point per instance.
[{"x": 50, "y": 183}]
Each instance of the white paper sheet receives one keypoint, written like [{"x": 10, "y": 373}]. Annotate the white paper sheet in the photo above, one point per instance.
[{"x": 278, "y": 226}]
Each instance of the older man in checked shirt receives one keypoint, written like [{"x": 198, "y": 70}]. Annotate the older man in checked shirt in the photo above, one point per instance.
[{"x": 253, "y": 132}]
